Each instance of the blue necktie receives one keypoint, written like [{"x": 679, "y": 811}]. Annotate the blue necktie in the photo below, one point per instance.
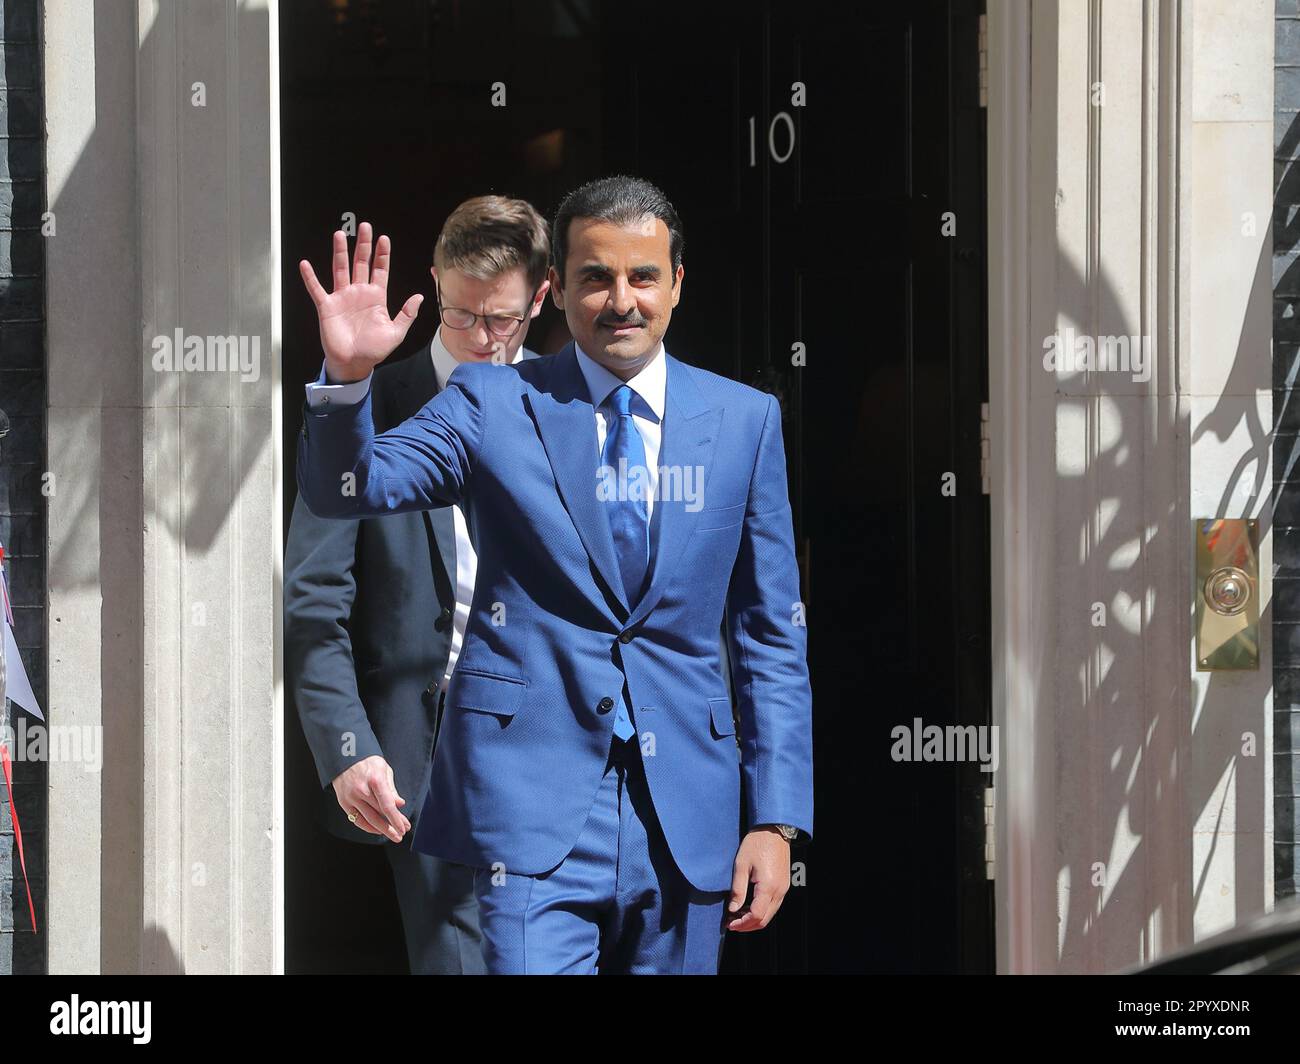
[{"x": 621, "y": 458}]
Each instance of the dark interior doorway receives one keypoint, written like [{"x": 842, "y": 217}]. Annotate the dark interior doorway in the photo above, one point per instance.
[{"x": 817, "y": 225}]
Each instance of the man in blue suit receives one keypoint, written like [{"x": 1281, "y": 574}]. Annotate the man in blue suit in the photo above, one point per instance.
[{"x": 622, "y": 504}]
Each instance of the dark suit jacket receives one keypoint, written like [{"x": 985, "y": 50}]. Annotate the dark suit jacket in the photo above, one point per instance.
[{"x": 368, "y": 610}]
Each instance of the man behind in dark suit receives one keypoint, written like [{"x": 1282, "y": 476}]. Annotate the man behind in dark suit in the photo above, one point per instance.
[{"x": 375, "y": 609}]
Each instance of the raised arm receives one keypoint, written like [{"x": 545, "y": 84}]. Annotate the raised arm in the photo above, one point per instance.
[{"x": 344, "y": 469}]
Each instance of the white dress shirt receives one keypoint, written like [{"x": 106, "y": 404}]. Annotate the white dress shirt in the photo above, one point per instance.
[{"x": 649, "y": 387}]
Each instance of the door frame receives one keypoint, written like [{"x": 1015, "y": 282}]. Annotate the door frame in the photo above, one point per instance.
[{"x": 1020, "y": 532}]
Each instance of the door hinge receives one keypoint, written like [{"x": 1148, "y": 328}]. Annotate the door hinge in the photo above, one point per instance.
[
  {"x": 984, "y": 60},
  {"x": 990, "y": 841},
  {"x": 986, "y": 448}
]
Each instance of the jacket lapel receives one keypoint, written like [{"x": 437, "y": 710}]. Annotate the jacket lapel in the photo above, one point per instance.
[
  {"x": 413, "y": 388},
  {"x": 690, "y": 433},
  {"x": 567, "y": 423}
]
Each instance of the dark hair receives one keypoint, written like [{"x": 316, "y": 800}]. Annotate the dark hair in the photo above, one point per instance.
[
  {"x": 622, "y": 200},
  {"x": 488, "y": 235}
]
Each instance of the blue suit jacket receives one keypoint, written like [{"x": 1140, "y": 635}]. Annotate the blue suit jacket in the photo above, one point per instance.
[{"x": 530, "y": 709}]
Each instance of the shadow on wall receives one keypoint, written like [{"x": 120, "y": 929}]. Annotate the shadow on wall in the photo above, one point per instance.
[{"x": 1157, "y": 748}]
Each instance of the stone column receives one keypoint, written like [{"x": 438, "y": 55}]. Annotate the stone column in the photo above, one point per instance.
[
  {"x": 1130, "y": 197},
  {"x": 165, "y": 532}
]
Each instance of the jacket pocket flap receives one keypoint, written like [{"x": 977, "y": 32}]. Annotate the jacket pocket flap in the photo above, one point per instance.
[
  {"x": 486, "y": 692},
  {"x": 716, "y": 517},
  {"x": 720, "y": 714}
]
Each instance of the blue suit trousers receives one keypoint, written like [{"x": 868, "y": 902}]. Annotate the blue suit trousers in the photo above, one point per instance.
[{"x": 617, "y": 904}]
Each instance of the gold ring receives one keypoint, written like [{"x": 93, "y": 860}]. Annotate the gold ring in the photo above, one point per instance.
[{"x": 352, "y": 817}]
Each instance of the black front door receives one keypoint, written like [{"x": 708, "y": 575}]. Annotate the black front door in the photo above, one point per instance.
[
  {"x": 817, "y": 267},
  {"x": 813, "y": 152}
]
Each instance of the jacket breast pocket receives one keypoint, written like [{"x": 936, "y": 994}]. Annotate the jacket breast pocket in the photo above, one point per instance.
[
  {"x": 486, "y": 692},
  {"x": 718, "y": 517}
]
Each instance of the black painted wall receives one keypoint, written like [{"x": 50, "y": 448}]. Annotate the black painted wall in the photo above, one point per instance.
[
  {"x": 1286, "y": 447},
  {"x": 22, "y": 452}
]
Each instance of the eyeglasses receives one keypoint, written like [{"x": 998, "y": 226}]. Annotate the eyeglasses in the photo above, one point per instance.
[{"x": 501, "y": 325}]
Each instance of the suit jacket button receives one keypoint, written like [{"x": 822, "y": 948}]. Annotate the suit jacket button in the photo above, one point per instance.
[
  {"x": 605, "y": 704},
  {"x": 627, "y": 637},
  {"x": 443, "y": 621},
  {"x": 432, "y": 689}
]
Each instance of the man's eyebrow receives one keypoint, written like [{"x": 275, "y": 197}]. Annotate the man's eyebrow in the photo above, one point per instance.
[{"x": 649, "y": 268}]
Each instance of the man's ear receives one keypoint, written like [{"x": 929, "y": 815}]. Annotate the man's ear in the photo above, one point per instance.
[
  {"x": 677, "y": 284},
  {"x": 540, "y": 299},
  {"x": 557, "y": 289}
]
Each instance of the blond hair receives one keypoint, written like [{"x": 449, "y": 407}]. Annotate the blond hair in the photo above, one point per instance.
[{"x": 488, "y": 235}]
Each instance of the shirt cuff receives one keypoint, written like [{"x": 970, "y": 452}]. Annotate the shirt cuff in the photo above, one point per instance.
[{"x": 323, "y": 396}]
